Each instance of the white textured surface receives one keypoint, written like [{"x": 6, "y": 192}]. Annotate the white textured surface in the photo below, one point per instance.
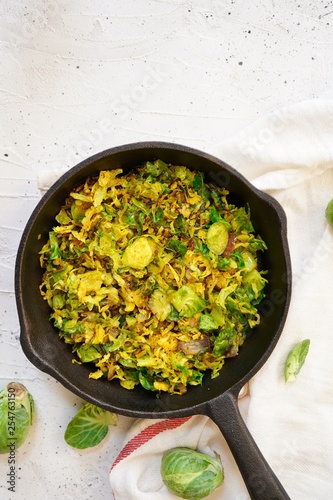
[{"x": 79, "y": 77}]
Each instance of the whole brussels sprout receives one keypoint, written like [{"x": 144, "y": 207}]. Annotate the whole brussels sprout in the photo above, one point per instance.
[
  {"x": 16, "y": 415},
  {"x": 190, "y": 474}
]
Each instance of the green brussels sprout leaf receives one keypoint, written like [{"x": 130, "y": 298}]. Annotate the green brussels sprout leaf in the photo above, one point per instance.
[
  {"x": 249, "y": 261},
  {"x": 88, "y": 353},
  {"x": 155, "y": 169},
  {"x": 295, "y": 359},
  {"x": 207, "y": 322},
  {"x": 256, "y": 281},
  {"x": 54, "y": 246},
  {"x": 190, "y": 474},
  {"x": 16, "y": 415},
  {"x": 218, "y": 316},
  {"x": 187, "y": 302},
  {"x": 177, "y": 246},
  {"x": 201, "y": 187},
  {"x": 89, "y": 426},
  {"x": 159, "y": 304},
  {"x": 329, "y": 212}
]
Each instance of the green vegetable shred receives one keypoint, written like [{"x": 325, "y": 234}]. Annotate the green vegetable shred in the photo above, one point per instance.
[{"x": 152, "y": 277}]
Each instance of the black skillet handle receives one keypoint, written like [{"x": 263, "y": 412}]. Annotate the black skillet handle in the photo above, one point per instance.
[{"x": 260, "y": 480}]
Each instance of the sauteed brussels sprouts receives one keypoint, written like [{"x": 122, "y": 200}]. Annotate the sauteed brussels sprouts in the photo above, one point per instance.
[{"x": 152, "y": 276}]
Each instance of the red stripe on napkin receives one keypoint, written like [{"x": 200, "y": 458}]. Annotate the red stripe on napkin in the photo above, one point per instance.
[{"x": 147, "y": 434}]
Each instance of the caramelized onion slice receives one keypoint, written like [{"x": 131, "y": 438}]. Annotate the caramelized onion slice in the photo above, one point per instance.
[
  {"x": 230, "y": 245},
  {"x": 194, "y": 346}
]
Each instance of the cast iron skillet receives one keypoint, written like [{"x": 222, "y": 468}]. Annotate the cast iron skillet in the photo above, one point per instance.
[{"x": 215, "y": 398}]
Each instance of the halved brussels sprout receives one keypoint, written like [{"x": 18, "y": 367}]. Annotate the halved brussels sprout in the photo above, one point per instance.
[
  {"x": 159, "y": 304},
  {"x": 256, "y": 281},
  {"x": 139, "y": 253},
  {"x": 249, "y": 261},
  {"x": 217, "y": 238},
  {"x": 187, "y": 302}
]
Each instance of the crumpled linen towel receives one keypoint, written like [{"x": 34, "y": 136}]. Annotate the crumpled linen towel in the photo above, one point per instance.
[
  {"x": 135, "y": 474},
  {"x": 288, "y": 154}
]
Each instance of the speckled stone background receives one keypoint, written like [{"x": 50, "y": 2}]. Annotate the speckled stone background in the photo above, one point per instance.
[{"x": 79, "y": 77}]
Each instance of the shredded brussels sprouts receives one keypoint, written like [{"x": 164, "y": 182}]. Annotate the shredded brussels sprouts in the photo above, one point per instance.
[{"x": 152, "y": 276}]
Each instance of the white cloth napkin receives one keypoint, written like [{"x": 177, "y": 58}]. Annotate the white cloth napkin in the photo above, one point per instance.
[
  {"x": 288, "y": 154},
  {"x": 135, "y": 474}
]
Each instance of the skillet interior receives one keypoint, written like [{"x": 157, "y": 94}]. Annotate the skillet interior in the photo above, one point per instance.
[{"x": 40, "y": 340}]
